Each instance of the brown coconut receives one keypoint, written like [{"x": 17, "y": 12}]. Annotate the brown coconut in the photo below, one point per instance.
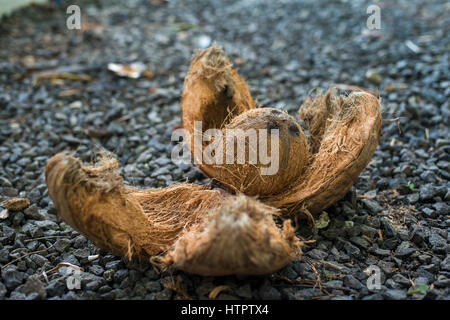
[
  {"x": 287, "y": 162},
  {"x": 213, "y": 91},
  {"x": 345, "y": 131},
  {"x": 142, "y": 223}
]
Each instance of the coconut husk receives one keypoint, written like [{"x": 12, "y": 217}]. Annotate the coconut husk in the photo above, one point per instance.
[
  {"x": 345, "y": 131},
  {"x": 240, "y": 237},
  {"x": 139, "y": 223},
  {"x": 343, "y": 134},
  {"x": 213, "y": 91},
  {"x": 289, "y": 159}
]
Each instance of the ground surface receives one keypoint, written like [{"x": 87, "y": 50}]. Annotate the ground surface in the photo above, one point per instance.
[{"x": 396, "y": 217}]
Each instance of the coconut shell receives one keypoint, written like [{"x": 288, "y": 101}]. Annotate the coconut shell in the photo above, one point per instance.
[
  {"x": 345, "y": 131},
  {"x": 213, "y": 91},
  {"x": 142, "y": 223},
  {"x": 289, "y": 163}
]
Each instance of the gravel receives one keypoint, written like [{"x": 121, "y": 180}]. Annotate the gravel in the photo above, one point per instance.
[{"x": 396, "y": 217}]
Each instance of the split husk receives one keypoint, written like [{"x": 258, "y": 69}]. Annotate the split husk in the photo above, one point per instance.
[
  {"x": 344, "y": 133},
  {"x": 187, "y": 221},
  {"x": 212, "y": 232},
  {"x": 213, "y": 91}
]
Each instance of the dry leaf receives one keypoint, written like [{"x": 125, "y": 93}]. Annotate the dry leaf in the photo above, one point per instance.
[
  {"x": 132, "y": 70},
  {"x": 16, "y": 203},
  {"x": 4, "y": 214}
]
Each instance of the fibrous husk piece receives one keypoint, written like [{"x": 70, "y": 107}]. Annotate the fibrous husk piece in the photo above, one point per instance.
[
  {"x": 255, "y": 168},
  {"x": 237, "y": 238},
  {"x": 345, "y": 131},
  {"x": 141, "y": 223},
  {"x": 213, "y": 91},
  {"x": 118, "y": 218}
]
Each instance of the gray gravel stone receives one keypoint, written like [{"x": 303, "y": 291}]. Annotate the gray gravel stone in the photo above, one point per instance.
[
  {"x": 34, "y": 285},
  {"x": 372, "y": 205},
  {"x": 351, "y": 282},
  {"x": 395, "y": 294},
  {"x": 317, "y": 254},
  {"x": 12, "y": 278}
]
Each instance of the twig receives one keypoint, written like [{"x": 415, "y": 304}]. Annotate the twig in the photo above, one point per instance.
[
  {"x": 26, "y": 255},
  {"x": 42, "y": 238}
]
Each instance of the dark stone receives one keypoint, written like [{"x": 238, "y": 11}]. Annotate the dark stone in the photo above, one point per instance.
[
  {"x": 437, "y": 242},
  {"x": 412, "y": 198},
  {"x": 165, "y": 294},
  {"x": 388, "y": 228},
  {"x": 267, "y": 292},
  {"x": 360, "y": 242},
  {"x": 400, "y": 279},
  {"x": 445, "y": 264},
  {"x": 429, "y": 213},
  {"x": 244, "y": 291},
  {"x": 62, "y": 244},
  {"x": 36, "y": 286},
  {"x": 114, "y": 265},
  {"x": 395, "y": 294},
  {"x": 33, "y": 212},
  {"x": 427, "y": 192},
  {"x": 404, "y": 252},
  {"x": 93, "y": 285},
  {"x": 56, "y": 288},
  {"x": 97, "y": 270},
  {"x": 120, "y": 275},
  {"x": 79, "y": 242},
  {"x": 3, "y": 290},
  {"x": 441, "y": 208},
  {"x": 382, "y": 252},
  {"x": 441, "y": 281},
  {"x": 317, "y": 254},
  {"x": 372, "y": 205},
  {"x": 12, "y": 278},
  {"x": 153, "y": 286},
  {"x": 351, "y": 282},
  {"x": 375, "y": 296}
]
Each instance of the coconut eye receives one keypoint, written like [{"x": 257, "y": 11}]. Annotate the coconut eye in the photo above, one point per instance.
[
  {"x": 227, "y": 92},
  {"x": 275, "y": 112},
  {"x": 294, "y": 130},
  {"x": 272, "y": 125}
]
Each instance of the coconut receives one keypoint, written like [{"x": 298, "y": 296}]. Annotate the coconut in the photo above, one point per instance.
[
  {"x": 146, "y": 223},
  {"x": 345, "y": 131},
  {"x": 264, "y": 151},
  {"x": 213, "y": 91}
]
